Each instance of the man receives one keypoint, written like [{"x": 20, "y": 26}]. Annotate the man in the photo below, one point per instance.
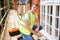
[{"x": 30, "y": 24}]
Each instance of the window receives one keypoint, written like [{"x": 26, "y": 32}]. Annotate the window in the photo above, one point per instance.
[
  {"x": 44, "y": 25},
  {"x": 56, "y": 33},
  {"x": 56, "y": 22},
  {"x": 59, "y": 35},
  {"x": 50, "y": 20},
  {"x": 59, "y": 24},
  {"x": 51, "y": 9},
  {"x": 47, "y": 9},
  {"x": 57, "y": 10},
  {"x": 41, "y": 23},
  {"x": 42, "y": 17},
  {"x": 44, "y": 9},
  {"x": 47, "y": 19},
  {"x": 50, "y": 30}
]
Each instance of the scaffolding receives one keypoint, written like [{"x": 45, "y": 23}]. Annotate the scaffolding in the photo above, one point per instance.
[{"x": 4, "y": 8}]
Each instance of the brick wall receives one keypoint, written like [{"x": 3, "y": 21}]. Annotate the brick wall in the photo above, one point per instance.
[{"x": 38, "y": 9}]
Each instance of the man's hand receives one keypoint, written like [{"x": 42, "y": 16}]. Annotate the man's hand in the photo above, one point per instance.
[
  {"x": 36, "y": 30},
  {"x": 38, "y": 34}
]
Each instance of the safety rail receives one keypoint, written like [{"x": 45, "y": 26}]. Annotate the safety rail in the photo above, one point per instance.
[
  {"x": 4, "y": 14},
  {"x": 2, "y": 21},
  {"x": 4, "y": 7}
]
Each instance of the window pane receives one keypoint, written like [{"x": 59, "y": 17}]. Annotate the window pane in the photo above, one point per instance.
[
  {"x": 47, "y": 9},
  {"x": 41, "y": 23},
  {"x": 47, "y": 19},
  {"x": 56, "y": 22},
  {"x": 44, "y": 17},
  {"x": 59, "y": 24},
  {"x": 50, "y": 20},
  {"x": 44, "y": 25},
  {"x": 48, "y": 28},
  {"x": 59, "y": 35},
  {"x": 57, "y": 10},
  {"x": 44, "y": 9},
  {"x": 41, "y": 16},
  {"x": 51, "y": 9},
  {"x": 51, "y": 30},
  {"x": 56, "y": 33}
]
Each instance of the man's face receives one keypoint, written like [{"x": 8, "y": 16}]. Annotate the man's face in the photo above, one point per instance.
[{"x": 34, "y": 8}]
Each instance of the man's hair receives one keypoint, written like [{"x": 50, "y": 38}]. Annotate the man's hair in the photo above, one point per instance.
[{"x": 34, "y": 5}]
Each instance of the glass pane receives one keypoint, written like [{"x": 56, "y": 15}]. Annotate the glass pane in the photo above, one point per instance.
[
  {"x": 44, "y": 17},
  {"x": 47, "y": 19},
  {"x": 44, "y": 25},
  {"x": 51, "y": 9},
  {"x": 47, "y": 9},
  {"x": 57, "y": 10},
  {"x": 59, "y": 25},
  {"x": 51, "y": 30},
  {"x": 48, "y": 28},
  {"x": 50, "y": 20},
  {"x": 56, "y": 33},
  {"x": 44, "y": 9},
  {"x": 59, "y": 35},
  {"x": 41, "y": 23},
  {"x": 56, "y": 22}
]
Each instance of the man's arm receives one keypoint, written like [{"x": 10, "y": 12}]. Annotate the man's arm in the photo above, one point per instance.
[
  {"x": 30, "y": 29},
  {"x": 37, "y": 23}
]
